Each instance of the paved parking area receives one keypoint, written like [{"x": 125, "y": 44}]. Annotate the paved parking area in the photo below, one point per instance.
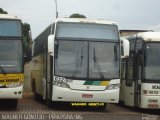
[{"x": 30, "y": 109}]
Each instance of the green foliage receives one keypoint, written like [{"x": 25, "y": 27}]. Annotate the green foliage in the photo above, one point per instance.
[
  {"x": 25, "y": 33},
  {"x": 77, "y": 15},
  {"x": 2, "y": 11},
  {"x": 26, "y": 38}
]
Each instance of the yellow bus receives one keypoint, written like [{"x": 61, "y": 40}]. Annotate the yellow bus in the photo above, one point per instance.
[{"x": 11, "y": 60}]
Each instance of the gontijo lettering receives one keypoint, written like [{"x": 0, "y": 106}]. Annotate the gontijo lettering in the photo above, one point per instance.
[{"x": 10, "y": 80}]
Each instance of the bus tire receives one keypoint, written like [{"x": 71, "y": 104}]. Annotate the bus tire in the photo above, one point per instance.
[
  {"x": 49, "y": 103},
  {"x": 11, "y": 103},
  {"x": 104, "y": 107},
  {"x": 36, "y": 96},
  {"x": 14, "y": 103},
  {"x": 33, "y": 85}
]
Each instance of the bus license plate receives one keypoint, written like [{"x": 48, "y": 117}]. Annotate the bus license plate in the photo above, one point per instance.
[{"x": 87, "y": 96}]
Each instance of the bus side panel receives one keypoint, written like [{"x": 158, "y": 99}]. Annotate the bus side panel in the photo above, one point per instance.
[
  {"x": 37, "y": 75},
  {"x": 129, "y": 95},
  {"x": 36, "y": 79},
  {"x": 150, "y": 96}
]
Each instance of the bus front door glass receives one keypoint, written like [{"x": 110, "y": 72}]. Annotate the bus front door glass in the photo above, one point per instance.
[{"x": 152, "y": 62}]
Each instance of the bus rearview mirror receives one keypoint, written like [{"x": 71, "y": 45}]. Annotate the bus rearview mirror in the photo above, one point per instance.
[
  {"x": 125, "y": 48},
  {"x": 50, "y": 44}
]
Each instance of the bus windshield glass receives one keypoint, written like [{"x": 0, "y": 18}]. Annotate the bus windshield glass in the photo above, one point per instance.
[
  {"x": 87, "y": 31},
  {"x": 10, "y": 28},
  {"x": 11, "y": 56},
  {"x": 152, "y": 61},
  {"x": 87, "y": 59}
]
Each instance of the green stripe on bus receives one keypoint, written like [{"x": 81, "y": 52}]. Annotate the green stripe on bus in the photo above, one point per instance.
[
  {"x": 96, "y": 83},
  {"x": 88, "y": 82},
  {"x": 101, "y": 83}
]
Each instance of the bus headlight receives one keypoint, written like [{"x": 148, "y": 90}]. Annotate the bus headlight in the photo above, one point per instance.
[
  {"x": 113, "y": 86},
  {"x": 13, "y": 85},
  {"x": 61, "y": 84}
]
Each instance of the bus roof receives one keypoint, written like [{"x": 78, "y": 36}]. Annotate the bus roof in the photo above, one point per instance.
[
  {"x": 84, "y": 20},
  {"x": 146, "y": 36},
  {"x": 6, "y": 16}
]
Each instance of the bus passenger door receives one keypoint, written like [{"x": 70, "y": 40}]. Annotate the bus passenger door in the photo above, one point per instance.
[
  {"x": 129, "y": 85},
  {"x": 138, "y": 78}
]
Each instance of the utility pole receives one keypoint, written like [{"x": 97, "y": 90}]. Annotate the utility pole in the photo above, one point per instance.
[{"x": 56, "y": 8}]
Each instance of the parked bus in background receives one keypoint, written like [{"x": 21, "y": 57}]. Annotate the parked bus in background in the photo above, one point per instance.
[
  {"x": 11, "y": 60},
  {"x": 78, "y": 62},
  {"x": 140, "y": 84}
]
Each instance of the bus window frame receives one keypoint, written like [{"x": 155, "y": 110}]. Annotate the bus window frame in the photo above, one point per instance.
[{"x": 144, "y": 63}]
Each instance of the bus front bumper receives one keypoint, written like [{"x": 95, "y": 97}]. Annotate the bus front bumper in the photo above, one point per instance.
[
  {"x": 11, "y": 93},
  {"x": 68, "y": 95}
]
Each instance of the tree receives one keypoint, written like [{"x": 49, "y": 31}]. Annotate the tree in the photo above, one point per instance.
[
  {"x": 26, "y": 40},
  {"x": 2, "y": 11},
  {"x": 77, "y": 15}
]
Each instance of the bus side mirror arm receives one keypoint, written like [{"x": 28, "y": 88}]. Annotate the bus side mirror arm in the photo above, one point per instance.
[
  {"x": 50, "y": 44},
  {"x": 125, "y": 47}
]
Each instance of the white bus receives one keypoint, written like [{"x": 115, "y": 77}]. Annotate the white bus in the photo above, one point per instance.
[
  {"x": 11, "y": 60},
  {"x": 141, "y": 72},
  {"x": 78, "y": 62}
]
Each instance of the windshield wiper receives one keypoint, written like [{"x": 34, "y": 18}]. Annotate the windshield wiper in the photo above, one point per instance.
[
  {"x": 80, "y": 60},
  {"x": 115, "y": 51},
  {"x": 3, "y": 71},
  {"x": 96, "y": 63}
]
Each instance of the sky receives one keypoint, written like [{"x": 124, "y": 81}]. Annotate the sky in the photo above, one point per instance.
[{"x": 129, "y": 14}]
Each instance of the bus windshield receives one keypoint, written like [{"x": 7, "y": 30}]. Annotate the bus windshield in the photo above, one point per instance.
[
  {"x": 87, "y": 59},
  {"x": 10, "y": 28},
  {"x": 152, "y": 61},
  {"x": 10, "y": 56}
]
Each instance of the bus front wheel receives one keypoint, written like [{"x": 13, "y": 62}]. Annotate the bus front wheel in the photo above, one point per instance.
[{"x": 9, "y": 103}]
